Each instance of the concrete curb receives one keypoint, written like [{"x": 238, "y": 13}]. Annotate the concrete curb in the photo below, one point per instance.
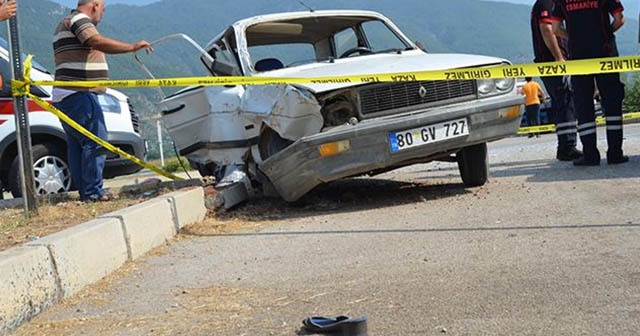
[
  {"x": 36, "y": 275},
  {"x": 145, "y": 225}
]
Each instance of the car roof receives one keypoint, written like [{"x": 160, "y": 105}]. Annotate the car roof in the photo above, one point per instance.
[{"x": 307, "y": 14}]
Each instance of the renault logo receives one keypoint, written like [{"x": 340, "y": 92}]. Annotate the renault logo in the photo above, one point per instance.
[{"x": 422, "y": 92}]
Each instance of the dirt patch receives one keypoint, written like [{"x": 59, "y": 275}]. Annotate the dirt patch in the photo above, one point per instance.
[
  {"x": 196, "y": 311},
  {"x": 65, "y": 210}
]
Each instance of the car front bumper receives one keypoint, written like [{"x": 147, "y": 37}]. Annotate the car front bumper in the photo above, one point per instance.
[{"x": 299, "y": 168}]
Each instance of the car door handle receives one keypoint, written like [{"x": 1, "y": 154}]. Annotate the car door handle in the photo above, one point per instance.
[{"x": 174, "y": 110}]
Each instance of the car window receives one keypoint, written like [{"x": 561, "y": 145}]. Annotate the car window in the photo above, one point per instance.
[
  {"x": 345, "y": 40},
  {"x": 34, "y": 64},
  {"x": 6, "y": 78},
  {"x": 223, "y": 53},
  {"x": 380, "y": 38},
  {"x": 288, "y": 54}
]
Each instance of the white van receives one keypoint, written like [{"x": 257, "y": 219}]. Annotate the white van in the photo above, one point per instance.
[{"x": 49, "y": 147}]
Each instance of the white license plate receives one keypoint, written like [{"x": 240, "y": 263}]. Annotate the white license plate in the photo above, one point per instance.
[{"x": 428, "y": 134}]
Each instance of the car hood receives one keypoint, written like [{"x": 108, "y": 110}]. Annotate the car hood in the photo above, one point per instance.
[{"x": 411, "y": 61}]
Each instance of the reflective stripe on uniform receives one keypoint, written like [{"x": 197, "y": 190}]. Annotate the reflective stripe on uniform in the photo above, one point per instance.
[
  {"x": 566, "y": 131},
  {"x": 588, "y": 131},
  {"x": 566, "y": 124},
  {"x": 586, "y": 126}
]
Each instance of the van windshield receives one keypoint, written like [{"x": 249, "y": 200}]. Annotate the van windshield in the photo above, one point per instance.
[{"x": 4, "y": 44}]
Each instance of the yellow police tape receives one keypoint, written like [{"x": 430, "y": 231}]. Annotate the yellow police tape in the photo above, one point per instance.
[
  {"x": 552, "y": 128},
  {"x": 98, "y": 140},
  {"x": 576, "y": 67},
  {"x": 62, "y": 116}
]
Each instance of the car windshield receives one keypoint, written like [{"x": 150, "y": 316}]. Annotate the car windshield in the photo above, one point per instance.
[{"x": 298, "y": 41}]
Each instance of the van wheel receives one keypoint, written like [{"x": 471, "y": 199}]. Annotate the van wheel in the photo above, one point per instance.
[
  {"x": 50, "y": 168},
  {"x": 473, "y": 164}
]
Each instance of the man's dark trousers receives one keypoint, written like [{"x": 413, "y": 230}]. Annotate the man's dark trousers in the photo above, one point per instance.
[
  {"x": 86, "y": 160},
  {"x": 563, "y": 111},
  {"x": 612, "y": 93}
]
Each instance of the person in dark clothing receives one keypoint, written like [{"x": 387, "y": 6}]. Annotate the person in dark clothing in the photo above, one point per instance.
[
  {"x": 548, "y": 48},
  {"x": 590, "y": 31}
]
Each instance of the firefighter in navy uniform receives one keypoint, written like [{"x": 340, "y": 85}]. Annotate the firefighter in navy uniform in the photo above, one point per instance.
[
  {"x": 590, "y": 30},
  {"x": 547, "y": 48}
]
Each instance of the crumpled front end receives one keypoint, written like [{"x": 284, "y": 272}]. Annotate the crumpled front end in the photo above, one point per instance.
[
  {"x": 291, "y": 112},
  {"x": 366, "y": 147},
  {"x": 216, "y": 127}
]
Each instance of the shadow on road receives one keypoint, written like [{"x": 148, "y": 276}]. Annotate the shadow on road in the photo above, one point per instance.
[
  {"x": 351, "y": 195},
  {"x": 552, "y": 171},
  {"x": 342, "y": 196},
  {"x": 549, "y": 170}
]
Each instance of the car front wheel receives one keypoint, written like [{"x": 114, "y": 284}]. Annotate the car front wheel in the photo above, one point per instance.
[
  {"x": 50, "y": 168},
  {"x": 271, "y": 143},
  {"x": 473, "y": 164}
]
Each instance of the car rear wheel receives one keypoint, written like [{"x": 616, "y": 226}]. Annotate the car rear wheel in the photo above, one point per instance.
[
  {"x": 473, "y": 164},
  {"x": 50, "y": 168}
]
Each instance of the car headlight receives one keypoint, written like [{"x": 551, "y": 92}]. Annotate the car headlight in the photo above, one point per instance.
[
  {"x": 492, "y": 87},
  {"x": 486, "y": 86},
  {"x": 109, "y": 103},
  {"x": 505, "y": 84}
]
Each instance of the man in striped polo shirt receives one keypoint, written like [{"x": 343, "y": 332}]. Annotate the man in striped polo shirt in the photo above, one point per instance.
[{"x": 79, "y": 53}]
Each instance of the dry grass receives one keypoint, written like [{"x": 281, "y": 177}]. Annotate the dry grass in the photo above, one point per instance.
[
  {"x": 16, "y": 228},
  {"x": 197, "y": 311}
]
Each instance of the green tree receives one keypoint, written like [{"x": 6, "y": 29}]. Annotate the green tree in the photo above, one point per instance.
[{"x": 632, "y": 94}]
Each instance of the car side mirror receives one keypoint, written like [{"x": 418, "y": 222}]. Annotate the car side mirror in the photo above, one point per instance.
[
  {"x": 421, "y": 46},
  {"x": 221, "y": 68}
]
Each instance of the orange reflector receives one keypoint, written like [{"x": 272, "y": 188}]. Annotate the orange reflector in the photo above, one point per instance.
[
  {"x": 334, "y": 148},
  {"x": 511, "y": 112}
]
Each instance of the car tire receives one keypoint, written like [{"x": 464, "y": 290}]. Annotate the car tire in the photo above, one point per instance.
[
  {"x": 271, "y": 143},
  {"x": 473, "y": 164},
  {"x": 51, "y": 171},
  {"x": 209, "y": 169}
]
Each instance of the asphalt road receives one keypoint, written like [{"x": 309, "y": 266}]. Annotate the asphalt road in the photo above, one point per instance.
[{"x": 544, "y": 248}]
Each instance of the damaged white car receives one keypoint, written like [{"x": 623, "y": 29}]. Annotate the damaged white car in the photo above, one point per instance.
[{"x": 288, "y": 139}]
